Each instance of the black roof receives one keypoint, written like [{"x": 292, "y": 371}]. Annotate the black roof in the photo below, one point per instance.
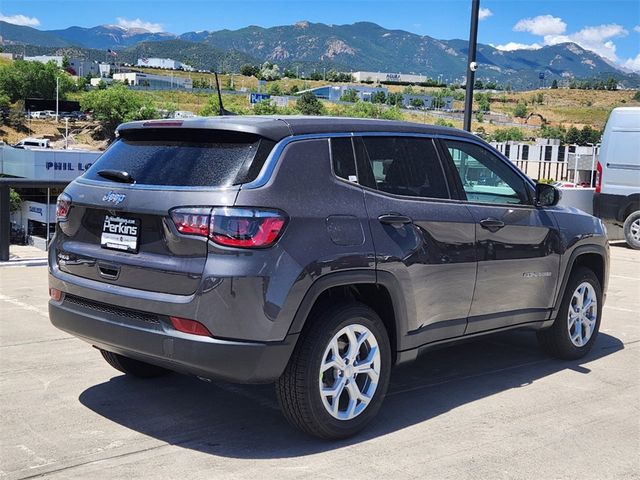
[{"x": 278, "y": 127}]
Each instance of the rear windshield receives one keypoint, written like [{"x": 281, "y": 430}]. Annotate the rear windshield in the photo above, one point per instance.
[{"x": 184, "y": 157}]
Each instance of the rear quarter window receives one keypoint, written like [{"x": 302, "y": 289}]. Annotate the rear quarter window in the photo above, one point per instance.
[{"x": 184, "y": 157}]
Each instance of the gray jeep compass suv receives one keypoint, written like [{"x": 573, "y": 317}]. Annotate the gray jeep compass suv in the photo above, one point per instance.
[{"x": 315, "y": 253}]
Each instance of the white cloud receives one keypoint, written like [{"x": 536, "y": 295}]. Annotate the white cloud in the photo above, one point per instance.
[
  {"x": 484, "y": 13},
  {"x": 632, "y": 63},
  {"x": 20, "y": 20},
  {"x": 541, "y": 25},
  {"x": 596, "y": 38},
  {"x": 508, "y": 47},
  {"x": 138, "y": 23},
  {"x": 637, "y": 28},
  {"x": 553, "y": 30}
]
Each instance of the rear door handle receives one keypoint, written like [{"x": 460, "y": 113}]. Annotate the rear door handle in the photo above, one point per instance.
[
  {"x": 394, "y": 219},
  {"x": 492, "y": 224}
]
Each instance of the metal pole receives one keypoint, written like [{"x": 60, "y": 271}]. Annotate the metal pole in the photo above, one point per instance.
[
  {"x": 471, "y": 64},
  {"x": 5, "y": 223},
  {"x": 66, "y": 133},
  {"x": 57, "y": 88},
  {"x": 46, "y": 243},
  {"x": 575, "y": 166}
]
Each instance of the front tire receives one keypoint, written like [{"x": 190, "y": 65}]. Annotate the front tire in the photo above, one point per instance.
[
  {"x": 632, "y": 230},
  {"x": 132, "y": 367},
  {"x": 338, "y": 375},
  {"x": 576, "y": 327}
]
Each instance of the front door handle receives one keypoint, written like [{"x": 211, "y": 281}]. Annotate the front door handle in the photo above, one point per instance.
[
  {"x": 394, "y": 219},
  {"x": 492, "y": 224}
]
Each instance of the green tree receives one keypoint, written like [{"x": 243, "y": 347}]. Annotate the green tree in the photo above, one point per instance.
[
  {"x": 572, "y": 136},
  {"x": 611, "y": 84},
  {"x": 479, "y": 116},
  {"x": 554, "y": 84},
  {"x": 211, "y": 108},
  {"x": 5, "y": 101},
  {"x": 505, "y": 134},
  {"x": 249, "y": 70},
  {"x": 308, "y": 104},
  {"x": 20, "y": 80},
  {"x": 395, "y": 99},
  {"x": 378, "y": 97},
  {"x": 66, "y": 64},
  {"x": 14, "y": 200},
  {"x": 273, "y": 88},
  {"x": 265, "y": 107},
  {"x": 636, "y": 96},
  {"x": 548, "y": 131},
  {"x": 589, "y": 135},
  {"x": 116, "y": 105},
  {"x": 416, "y": 102},
  {"x": 520, "y": 110},
  {"x": 441, "y": 122},
  {"x": 349, "y": 95}
]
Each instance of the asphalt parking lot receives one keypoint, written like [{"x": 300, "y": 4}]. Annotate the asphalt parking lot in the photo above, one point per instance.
[{"x": 493, "y": 408}]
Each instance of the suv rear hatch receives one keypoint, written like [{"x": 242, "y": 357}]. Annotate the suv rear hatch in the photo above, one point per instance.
[{"x": 115, "y": 223}]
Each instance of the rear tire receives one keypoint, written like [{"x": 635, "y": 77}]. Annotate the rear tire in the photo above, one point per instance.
[
  {"x": 133, "y": 367},
  {"x": 632, "y": 230},
  {"x": 345, "y": 350},
  {"x": 576, "y": 327}
]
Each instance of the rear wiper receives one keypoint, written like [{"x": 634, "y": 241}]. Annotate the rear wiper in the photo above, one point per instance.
[{"x": 117, "y": 176}]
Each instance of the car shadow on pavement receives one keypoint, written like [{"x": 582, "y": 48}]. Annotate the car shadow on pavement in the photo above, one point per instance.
[{"x": 244, "y": 421}]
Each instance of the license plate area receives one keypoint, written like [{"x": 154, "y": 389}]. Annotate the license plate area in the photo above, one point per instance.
[{"x": 120, "y": 233}]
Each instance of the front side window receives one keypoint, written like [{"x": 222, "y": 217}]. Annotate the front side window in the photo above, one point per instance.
[
  {"x": 485, "y": 177},
  {"x": 406, "y": 166}
]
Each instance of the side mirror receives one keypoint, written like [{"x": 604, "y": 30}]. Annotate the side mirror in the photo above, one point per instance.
[{"x": 547, "y": 195}]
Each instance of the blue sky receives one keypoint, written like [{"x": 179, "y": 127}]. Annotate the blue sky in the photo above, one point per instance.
[{"x": 609, "y": 27}]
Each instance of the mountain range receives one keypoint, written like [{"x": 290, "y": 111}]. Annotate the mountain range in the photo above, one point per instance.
[{"x": 310, "y": 46}]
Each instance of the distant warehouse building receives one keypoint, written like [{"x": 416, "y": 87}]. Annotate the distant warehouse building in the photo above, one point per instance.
[
  {"x": 334, "y": 93},
  {"x": 77, "y": 66},
  {"x": 388, "y": 77},
  {"x": 153, "y": 81},
  {"x": 165, "y": 63}
]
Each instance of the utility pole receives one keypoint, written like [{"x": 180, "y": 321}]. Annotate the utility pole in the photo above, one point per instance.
[
  {"x": 472, "y": 66},
  {"x": 57, "y": 96}
]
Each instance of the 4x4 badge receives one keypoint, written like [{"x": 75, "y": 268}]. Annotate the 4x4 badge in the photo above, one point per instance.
[{"x": 114, "y": 197}]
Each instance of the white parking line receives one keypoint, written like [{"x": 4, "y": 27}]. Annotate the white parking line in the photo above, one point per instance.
[{"x": 25, "y": 306}]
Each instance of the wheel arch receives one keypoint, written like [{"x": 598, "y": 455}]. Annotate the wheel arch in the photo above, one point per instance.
[
  {"x": 594, "y": 257},
  {"x": 380, "y": 291}
]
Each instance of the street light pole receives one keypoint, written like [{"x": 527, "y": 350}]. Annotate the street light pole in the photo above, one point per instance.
[
  {"x": 471, "y": 64},
  {"x": 57, "y": 96}
]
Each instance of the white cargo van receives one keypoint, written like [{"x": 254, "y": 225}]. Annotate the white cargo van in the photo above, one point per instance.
[
  {"x": 617, "y": 197},
  {"x": 29, "y": 143}
]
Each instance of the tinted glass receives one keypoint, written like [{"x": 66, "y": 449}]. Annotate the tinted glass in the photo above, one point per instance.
[
  {"x": 406, "y": 166},
  {"x": 342, "y": 157},
  {"x": 179, "y": 159},
  {"x": 485, "y": 177}
]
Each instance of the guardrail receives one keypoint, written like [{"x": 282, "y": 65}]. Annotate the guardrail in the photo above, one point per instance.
[{"x": 5, "y": 219}]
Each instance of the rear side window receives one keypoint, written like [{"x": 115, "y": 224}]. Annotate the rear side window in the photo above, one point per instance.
[
  {"x": 344, "y": 165},
  {"x": 184, "y": 157},
  {"x": 406, "y": 166}
]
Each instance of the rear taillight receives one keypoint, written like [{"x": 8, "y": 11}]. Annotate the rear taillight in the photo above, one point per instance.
[
  {"x": 231, "y": 227},
  {"x": 62, "y": 207},
  {"x": 598, "y": 177}
]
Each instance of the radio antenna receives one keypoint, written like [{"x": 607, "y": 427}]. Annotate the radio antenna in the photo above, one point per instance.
[{"x": 221, "y": 110}]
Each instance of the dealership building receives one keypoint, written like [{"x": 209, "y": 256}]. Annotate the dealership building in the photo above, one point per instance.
[{"x": 37, "y": 214}]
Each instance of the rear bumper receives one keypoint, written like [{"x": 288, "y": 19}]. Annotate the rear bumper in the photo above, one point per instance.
[{"x": 158, "y": 344}]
